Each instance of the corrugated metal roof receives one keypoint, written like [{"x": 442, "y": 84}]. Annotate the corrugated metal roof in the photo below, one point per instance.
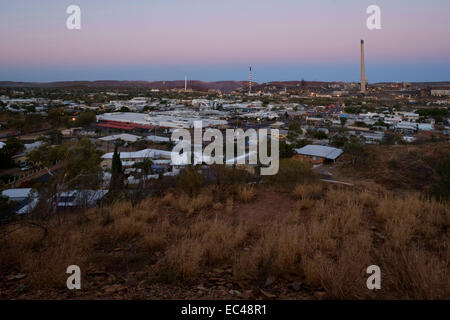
[
  {"x": 123, "y": 136},
  {"x": 142, "y": 154},
  {"x": 320, "y": 151},
  {"x": 17, "y": 193}
]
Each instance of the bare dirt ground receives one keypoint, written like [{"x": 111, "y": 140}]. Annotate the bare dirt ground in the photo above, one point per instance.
[{"x": 268, "y": 204}]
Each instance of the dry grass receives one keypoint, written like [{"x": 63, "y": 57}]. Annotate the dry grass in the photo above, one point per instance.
[
  {"x": 229, "y": 206},
  {"x": 308, "y": 191},
  {"x": 407, "y": 219},
  {"x": 208, "y": 243},
  {"x": 326, "y": 242},
  {"x": 407, "y": 167},
  {"x": 43, "y": 259},
  {"x": 245, "y": 193},
  {"x": 187, "y": 204}
]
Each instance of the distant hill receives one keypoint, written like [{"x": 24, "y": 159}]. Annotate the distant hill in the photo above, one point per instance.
[
  {"x": 192, "y": 84},
  {"x": 196, "y": 85}
]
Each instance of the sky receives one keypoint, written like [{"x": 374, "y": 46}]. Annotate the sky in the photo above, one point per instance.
[{"x": 214, "y": 40}]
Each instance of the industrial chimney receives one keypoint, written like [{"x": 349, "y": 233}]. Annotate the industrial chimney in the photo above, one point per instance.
[
  {"x": 250, "y": 80},
  {"x": 363, "y": 70}
]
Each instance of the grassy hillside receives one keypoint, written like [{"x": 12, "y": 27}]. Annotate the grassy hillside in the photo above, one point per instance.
[
  {"x": 403, "y": 167},
  {"x": 311, "y": 241}
]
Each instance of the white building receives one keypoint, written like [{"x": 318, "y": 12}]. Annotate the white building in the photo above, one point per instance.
[{"x": 440, "y": 92}]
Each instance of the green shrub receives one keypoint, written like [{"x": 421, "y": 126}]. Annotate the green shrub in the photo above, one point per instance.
[
  {"x": 441, "y": 188},
  {"x": 291, "y": 172}
]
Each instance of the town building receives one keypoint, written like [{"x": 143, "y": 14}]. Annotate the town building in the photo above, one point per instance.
[{"x": 316, "y": 154}]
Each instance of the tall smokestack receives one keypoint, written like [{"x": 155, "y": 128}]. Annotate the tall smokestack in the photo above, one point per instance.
[
  {"x": 363, "y": 69},
  {"x": 185, "y": 83},
  {"x": 250, "y": 80}
]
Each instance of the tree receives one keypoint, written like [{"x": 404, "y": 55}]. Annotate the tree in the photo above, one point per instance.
[
  {"x": 380, "y": 123},
  {"x": 86, "y": 118},
  {"x": 391, "y": 139},
  {"x": 353, "y": 110},
  {"x": 6, "y": 207},
  {"x": 11, "y": 147},
  {"x": 82, "y": 165},
  {"x": 286, "y": 150},
  {"x": 55, "y": 137},
  {"x": 47, "y": 155},
  {"x": 296, "y": 127},
  {"x": 338, "y": 140},
  {"x": 116, "y": 185},
  {"x": 320, "y": 135},
  {"x": 80, "y": 170},
  {"x": 146, "y": 169},
  {"x": 361, "y": 124},
  {"x": 343, "y": 121},
  {"x": 441, "y": 188},
  {"x": 32, "y": 122},
  {"x": 294, "y": 131},
  {"x": 30, "y": 109},
  {"x": 355, "y": 148},
  {"x": 301, "y": 143},
  {"x": 55, "y": 117}
]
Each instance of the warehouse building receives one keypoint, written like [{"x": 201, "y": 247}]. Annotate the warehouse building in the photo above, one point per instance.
[{"x": 130, "y": 121}]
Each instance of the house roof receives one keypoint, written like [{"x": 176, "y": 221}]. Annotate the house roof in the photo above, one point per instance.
[
  {"x": 123, "y": 136},
  {"x": 320, "y": 151},
  {"x": 28, "y": 207},
  {"x": 74, "y": 197},
  {"x": 17, "y": 193},
  {"x": 142, "y": 154},
  {"x": 157, "y": 139}
]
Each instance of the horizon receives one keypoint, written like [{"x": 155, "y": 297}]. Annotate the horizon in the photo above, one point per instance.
[
  {"x": 282, "y": 40},
  {"x": 215, "y": 81}
]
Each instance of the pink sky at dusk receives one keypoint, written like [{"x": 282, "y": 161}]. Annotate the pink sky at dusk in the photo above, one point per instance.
[{"x": 223, "y": 33}]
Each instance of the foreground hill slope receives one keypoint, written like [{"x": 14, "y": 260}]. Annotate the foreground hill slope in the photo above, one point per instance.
[{"x": 313, "y": 241}]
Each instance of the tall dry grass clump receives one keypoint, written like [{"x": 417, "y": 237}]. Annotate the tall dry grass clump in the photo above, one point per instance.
[
  {"x": 407, "y": 219},
  {"x": 187, "y": 204},
  {"x": 308, "y": 191},
  {"x": 207, "y": 243},
  {"x": 245, "y": 193}
]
